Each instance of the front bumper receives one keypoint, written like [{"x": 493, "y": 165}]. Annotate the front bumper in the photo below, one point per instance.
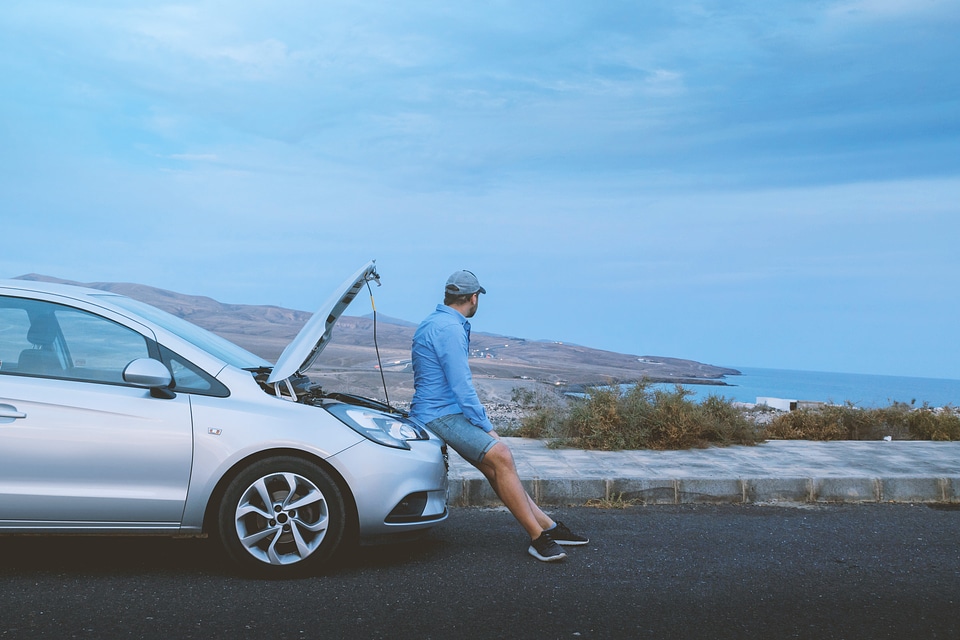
[{"x": 396, "y": 490}]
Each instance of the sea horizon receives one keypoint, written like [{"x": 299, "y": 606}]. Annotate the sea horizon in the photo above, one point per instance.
[{"x": 860, "y": 389}]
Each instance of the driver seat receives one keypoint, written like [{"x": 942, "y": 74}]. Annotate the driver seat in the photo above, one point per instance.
[{"x": 41, "y": 358}]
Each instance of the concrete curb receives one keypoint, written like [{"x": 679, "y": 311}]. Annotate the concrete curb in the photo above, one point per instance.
[
  {"x": 476, "y": 492},
  {"x": 779, "y": 472}
]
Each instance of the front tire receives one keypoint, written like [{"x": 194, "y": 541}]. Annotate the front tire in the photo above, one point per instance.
[{"x": 281, "y": 517}]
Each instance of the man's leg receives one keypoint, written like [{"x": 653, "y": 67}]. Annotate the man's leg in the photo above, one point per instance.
[{"x": 500, "y": 470}]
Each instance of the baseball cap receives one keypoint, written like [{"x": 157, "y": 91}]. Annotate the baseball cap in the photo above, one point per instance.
[{"x": 463, "y": 283}]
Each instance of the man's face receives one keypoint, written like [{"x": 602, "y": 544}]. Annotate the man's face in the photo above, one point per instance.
[{"x": 472, "y": 309}]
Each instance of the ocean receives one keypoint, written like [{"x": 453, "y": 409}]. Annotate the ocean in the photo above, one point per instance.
[{"x": 867, "y": 391}]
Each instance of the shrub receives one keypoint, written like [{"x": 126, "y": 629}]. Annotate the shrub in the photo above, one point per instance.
[
  {"x": 934, "y": 424},
  {"x": 610, "y": 418},
  {"x": 542, "y": 411},
  {"x": 725, "y": 422},
  {"x": 848, "y": 422},
  {"x": 637, "y": 417},
  {"x": 674, "y": 421},
  {"x": 807, "y": 424}
]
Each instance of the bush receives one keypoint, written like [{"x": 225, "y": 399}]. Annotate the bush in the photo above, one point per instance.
[
  {"x": 542, "y": 412},
  {"x": 848, "y": 422},
  {"x": 609, "y": 418},
  {"x": 810, "y": 424},
  {"x": 725, "y": 423},
  {"x": 934, "y": 424}
]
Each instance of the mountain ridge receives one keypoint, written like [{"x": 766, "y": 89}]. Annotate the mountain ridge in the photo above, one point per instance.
[{"x": 351, "y": 358}]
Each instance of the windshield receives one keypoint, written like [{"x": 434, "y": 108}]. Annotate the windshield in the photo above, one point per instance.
[{"x": 210, "y": 342}]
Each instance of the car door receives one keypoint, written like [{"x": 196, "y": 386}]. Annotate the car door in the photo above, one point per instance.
[{"x": 80, "y": 449}]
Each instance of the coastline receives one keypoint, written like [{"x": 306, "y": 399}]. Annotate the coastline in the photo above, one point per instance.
[
  {"x": 862, "y": 390},
  {"x": 581, "y": 387}
]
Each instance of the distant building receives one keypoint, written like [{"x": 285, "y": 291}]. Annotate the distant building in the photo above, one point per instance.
[{"x": 780, "y": 404}]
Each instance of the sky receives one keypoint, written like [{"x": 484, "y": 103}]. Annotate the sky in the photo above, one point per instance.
[{"x": 748, "y": 184}]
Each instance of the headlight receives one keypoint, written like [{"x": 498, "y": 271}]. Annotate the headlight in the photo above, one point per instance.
[{"x": 383, "y": 428}]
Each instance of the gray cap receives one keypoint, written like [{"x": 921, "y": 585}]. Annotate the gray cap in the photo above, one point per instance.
[{"x": 463, "y": 283}]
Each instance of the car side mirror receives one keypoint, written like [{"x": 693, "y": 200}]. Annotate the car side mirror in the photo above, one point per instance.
[{"x": 152, "y": 374}]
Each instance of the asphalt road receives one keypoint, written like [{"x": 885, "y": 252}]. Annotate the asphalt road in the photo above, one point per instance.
[{"x": 871, "y": 572}]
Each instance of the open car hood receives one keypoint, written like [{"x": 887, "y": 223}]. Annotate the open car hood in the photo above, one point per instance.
[{"x": 303, "y": 351}]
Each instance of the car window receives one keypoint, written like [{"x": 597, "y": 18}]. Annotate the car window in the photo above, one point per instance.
[
  {"x": 99, "y": 348},
  {"x": 56, "y": 341},
  {"x": 188, "y": 377},
  {"x": 210, "y": 342},
  {"x": 14, "y": 325}
]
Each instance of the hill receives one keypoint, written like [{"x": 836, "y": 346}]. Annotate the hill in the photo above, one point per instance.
[{"x": 499, "y": 363}]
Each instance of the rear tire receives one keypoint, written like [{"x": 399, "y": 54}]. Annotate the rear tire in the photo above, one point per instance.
[{"x": 281, "y": 517}]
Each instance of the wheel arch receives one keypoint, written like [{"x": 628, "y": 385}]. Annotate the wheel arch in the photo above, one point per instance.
[{"x": 352, "y": 531}]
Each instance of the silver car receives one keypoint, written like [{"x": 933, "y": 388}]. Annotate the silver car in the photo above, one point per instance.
[{"x": 117, "y": 417}]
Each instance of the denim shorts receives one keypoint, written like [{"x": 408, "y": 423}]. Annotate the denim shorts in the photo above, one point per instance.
[{"x": 467, "y": 439}]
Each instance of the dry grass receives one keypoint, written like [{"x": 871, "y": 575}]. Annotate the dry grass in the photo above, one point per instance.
[
  {"x": 616, "y": 501},
  {"x": 611, "y": 418},
  {"x": 898, "y": 421}
]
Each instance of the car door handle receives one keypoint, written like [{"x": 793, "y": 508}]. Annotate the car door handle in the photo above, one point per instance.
[{"x": 10, "y": 412}]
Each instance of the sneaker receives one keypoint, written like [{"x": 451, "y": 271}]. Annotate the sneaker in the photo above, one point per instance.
[
  {"x": 562, "y": 535},
  {"x": 544, "y": 548}
]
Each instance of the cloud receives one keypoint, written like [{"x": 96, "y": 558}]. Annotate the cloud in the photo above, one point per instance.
[
  {"x": 866, "y": 10},
  {"x": 618, "y": 154}
]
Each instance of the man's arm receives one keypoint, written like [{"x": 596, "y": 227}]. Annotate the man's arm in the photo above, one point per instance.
[{"x": 453, "y": 354}]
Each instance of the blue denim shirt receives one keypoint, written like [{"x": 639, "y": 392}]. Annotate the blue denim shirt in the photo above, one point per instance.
[{"x": 441, "y": 374}]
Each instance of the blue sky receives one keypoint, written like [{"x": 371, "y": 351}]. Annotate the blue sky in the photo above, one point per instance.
[{"x": 769, "y": 184}]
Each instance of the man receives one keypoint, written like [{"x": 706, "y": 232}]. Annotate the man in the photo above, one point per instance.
[{"x": 445, "y": 400}]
